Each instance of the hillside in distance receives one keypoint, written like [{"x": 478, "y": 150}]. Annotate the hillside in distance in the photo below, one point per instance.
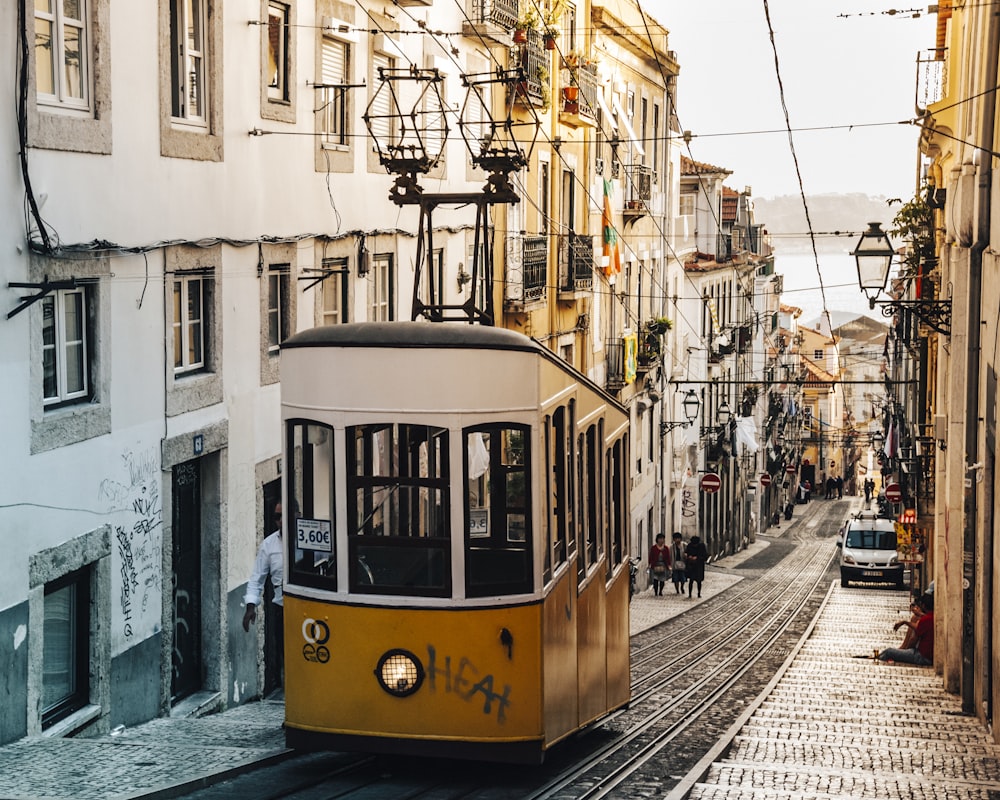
[{"x": 837, "y": 219}]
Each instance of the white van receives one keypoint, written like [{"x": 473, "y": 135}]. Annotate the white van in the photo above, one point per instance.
[{"x": 868, "y": 551}]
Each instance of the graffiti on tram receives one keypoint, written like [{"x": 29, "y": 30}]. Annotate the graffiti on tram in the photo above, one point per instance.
[{"x": 464, "y": 680}]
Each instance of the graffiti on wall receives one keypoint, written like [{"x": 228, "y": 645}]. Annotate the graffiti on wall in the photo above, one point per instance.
[
  {"x": 133, "y": 499},
  {"x": 465, "y": 680}
]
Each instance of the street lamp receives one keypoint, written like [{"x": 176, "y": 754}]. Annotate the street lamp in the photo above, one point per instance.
[
  {"x": 723, "y": 414},
  {"x": 691, "y": 404},
  {"x": 873, "y": 255},
  {"x": 878, "y": 441}
]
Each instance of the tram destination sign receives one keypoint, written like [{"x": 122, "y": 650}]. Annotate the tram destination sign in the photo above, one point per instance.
[{"x": 710, "y": 483}]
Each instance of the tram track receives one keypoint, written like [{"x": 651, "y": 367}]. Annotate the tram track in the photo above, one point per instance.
[
  {"x": 691, "y": 677},
  {"x": 607, "y": 768}
]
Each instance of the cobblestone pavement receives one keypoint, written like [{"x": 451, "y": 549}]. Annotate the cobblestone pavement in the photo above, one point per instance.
[
  {"x": 150, "y": 760},
  {"x": 839, "y": 726},
  {"x": 832, "y": 726}
]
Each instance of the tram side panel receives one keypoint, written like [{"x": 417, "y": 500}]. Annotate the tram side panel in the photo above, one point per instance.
[
  {"x": 562, "y": 715},
  {"x": 592, "y": 648},
  {"x": 619, "y": 682}
]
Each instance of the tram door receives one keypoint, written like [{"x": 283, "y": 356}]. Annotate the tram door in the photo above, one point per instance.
[
  {"x": 186, "y": 573},
  {"x": 273, "y": 638}
]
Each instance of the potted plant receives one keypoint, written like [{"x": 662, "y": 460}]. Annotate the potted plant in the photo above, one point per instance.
[
  {"x": 659, "y": 325},
  {"x": 528, "y": 21},
  {"x": 550, "y": 25}
]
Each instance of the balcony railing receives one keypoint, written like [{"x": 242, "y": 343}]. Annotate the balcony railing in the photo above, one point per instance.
[
  {"x": 638, "y": 187},
  {"x": 502, "y": 13},
  {"x": 932, "y": 77},
  {"x": 536, "y": 84},
  {"x": 614, "y": 367},
  {"x": 526, "y": 269},
  {"x": 576, "y": 262}
]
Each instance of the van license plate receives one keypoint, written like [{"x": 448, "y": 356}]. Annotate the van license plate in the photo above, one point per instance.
[{"x": 871, "y": 573}]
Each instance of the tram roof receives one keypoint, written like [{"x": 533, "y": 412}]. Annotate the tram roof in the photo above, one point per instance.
[{"x": 413, "y": 334}]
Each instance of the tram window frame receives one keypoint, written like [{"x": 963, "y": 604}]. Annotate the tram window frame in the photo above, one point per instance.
[
  {"x": 556, "y": 486},
  {"x": 498, "y": 558},
  {"x": 306, "y": 501},
  {"x": 415, "y": 564}
]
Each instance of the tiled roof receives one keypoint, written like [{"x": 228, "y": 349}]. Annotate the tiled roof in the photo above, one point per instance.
[{"x": 691, "y": 167}]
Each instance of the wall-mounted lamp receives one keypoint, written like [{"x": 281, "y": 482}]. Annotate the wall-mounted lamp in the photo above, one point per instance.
[
  {"x": 463, "y": 276},
  {"x": 691, "y": 405},
  {"x": 873, "y": 255},
  {"x": 723, "y": 416}
]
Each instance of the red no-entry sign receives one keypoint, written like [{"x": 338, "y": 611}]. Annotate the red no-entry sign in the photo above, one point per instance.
[
  {"x": 710, "y": 483},
  {"x": 765, "y": 480},
  {"x": 790, "y": 469},
  {"x": 893, "y": 493}
]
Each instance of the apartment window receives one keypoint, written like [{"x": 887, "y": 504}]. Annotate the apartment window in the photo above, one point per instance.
[
  {"x": 62, "y": 53},
  {"x": 190, "y": 308},
  {"x": 332, "y": 112},
  {"x": 188, "y": 61},
  {"x": 65, "y": 358},
  {"x": 66, "y": 647},
  {"x": 817, "y": 355},
  {"x": 644, "y": 126},
  {"x": 334, "y": 311},
  {"x": 543, "y": 197},
  {"x": 277, "y": 316},
  {"x": 277, "y": 51},
  {"x": 569, "y": 28},
  {"x": 686, "y": 205},
  {"x": 380, "y": 111},
  {"x": 380, "y": 289}
]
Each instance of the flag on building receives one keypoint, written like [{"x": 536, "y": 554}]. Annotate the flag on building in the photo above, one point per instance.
[{"x": 612, "y": 261}]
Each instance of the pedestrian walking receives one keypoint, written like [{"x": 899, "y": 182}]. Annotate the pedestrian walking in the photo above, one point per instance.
[
  {"x": 840, "y": 487},
  {"x": 695, "y": 556},
  {"x": 269, "y": 562},
  {"x": 659, "y": 563},
  {"x": 678, "y": 572}
]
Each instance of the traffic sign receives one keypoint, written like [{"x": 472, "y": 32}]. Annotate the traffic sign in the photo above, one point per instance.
[
  {"x": 893, "y": 493},
  {"x": 710, "y": 483},
  {"x": 765, "y": 480},
  {"x": 790, "y": 469}
]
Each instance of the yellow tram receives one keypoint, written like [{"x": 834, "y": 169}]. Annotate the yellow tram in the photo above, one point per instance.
[{"x": 456, "y": 578}]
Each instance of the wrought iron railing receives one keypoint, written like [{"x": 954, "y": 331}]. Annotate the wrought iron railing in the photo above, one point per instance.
[
  {"x": 502, "y": 13},
  {"x": 614, "y": 368},
  {"x": 534, "y": 61},
  {"x": 576, "y": 262},
  {"x": 526, "y": 269},
  {"x": 932, "y": 77}
]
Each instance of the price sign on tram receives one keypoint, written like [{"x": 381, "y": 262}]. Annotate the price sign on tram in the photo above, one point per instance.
[{"x": 313, "y": 534}]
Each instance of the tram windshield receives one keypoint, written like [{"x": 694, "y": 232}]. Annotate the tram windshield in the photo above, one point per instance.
[
  {"x": 397, "y": 495},
  {"x": 311, "y": 510}
]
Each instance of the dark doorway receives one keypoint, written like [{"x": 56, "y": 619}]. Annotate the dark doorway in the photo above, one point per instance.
[
  {"x": 273, "y": 627},
  {"x": 186, "y": 570}
]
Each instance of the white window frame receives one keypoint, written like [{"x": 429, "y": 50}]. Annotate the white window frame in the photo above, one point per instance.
[
  {"x": 334, "y": 124},
  {"x": 383, "y": 125},
  {"x": 55, "y": 303},
  {"x": 686, "y": 204},
  {"x": 196, "y": 51},
  {"x": 277, "y": 277},
  {"x": 189, "y": 329},
  {"x": 62, "y": 29},
  {"x": 278, "y": 51},
  {"x": 333, "y": 309},
  {"x": 380, "y": 299}
]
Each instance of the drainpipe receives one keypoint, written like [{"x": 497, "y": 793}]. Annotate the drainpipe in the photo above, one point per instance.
[{"x": 973, "y": 367}]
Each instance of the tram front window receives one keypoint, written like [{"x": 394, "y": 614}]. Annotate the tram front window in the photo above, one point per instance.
[
  {"x": 309, "y": 515},
  {"x": 498, "y": 530},
  {"x": 397, "y": 494}
]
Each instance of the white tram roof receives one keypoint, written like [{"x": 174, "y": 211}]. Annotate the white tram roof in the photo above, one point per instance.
[{"x": 492, "y": 372}]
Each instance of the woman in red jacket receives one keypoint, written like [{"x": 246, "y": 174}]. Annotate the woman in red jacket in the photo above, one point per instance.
[{"x": 659, "y": 563}]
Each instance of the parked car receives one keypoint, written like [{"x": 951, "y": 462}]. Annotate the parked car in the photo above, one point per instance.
[{"x": 868, "y": 551}]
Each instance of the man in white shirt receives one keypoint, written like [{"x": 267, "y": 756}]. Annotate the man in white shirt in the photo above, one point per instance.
[{"x": 270, "y": 561}]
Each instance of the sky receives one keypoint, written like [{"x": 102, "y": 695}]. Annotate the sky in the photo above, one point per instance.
[{"x": 836, "y": 71}]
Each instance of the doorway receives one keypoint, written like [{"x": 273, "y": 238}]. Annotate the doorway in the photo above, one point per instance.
[
  {"x": 273, "y": 619},
  {"x": 186, "y": 677}
]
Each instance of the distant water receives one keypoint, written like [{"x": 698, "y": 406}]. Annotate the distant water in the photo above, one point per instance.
[{"x": 839, "y": 279}]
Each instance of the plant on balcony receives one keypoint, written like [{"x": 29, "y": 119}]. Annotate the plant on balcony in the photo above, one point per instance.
[
  {"x": 577, "y": 58},
  {"x": 528, "y": 21},
  {"x": 914, "y": 224},
  {"x": 550, "y": 25},
  {"x": 543, "y": 81},
  {"x": 658, "y": 326}
]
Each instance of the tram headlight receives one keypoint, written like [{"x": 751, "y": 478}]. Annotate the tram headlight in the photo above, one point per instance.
[{"x": 399, "y": 672}]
